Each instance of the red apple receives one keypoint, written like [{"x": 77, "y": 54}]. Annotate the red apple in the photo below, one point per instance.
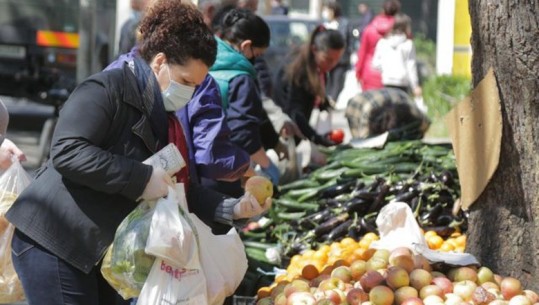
[
  {"x": 358, "y": 268},
  {"x": 413, "y": 301},
  {"x": 420, "y": 262},
  {"x": 404, "y": 293},
  {"x": 397, "y": 277},
  {"x": 343, "y": 273},
  {"x": 356, "y": 296},
  {"x": 337, "y": 135},
  {"x": 376, "y": 263},
  {"x": 331, "y": 283},
  {"x": 444, "y": 283},
  {"x": 381, "y": 295},
  {"x": 433, "y": 300},
  {"x": 465, "y": 274},
  {"x": 510, "y": 287},
  {"x": 430, "y": 290},
  {"x": 520, "y": 300},
  {"x": 532, "y": 295},
  {"x": 420, "y": 278},
  {"x": 371, "y": 279},
  {"x": 317, "y": 280},
  {"x": 464, "y": 289},
  {"x": 296, "y": 286},
  {"x": 481, "y": 296},
  {"x": 484, "y": 275},
  {"x": 301, "y": 298}
]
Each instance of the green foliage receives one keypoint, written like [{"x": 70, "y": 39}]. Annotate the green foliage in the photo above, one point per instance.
[
  {"x": 425, "y": 49},
  {"x": 440, "y": 94}
]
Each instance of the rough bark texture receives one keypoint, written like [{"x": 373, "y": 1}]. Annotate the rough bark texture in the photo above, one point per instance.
[{"x": 504, "y": 223}]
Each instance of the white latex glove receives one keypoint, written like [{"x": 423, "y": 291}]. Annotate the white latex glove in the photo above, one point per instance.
[
  {"x": 249, "y": 207},
  {"x": 158, "y": 185},
  {"x": 7, "y": 151}
]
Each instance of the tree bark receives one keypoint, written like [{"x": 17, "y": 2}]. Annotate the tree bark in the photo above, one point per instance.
[{"x": 504, "y": 224}]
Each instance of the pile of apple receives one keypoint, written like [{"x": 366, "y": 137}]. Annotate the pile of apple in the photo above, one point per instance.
[{"x": 397, "y": 278}]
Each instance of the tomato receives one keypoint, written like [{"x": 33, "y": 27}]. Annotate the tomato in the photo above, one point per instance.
[{"x": 337, "y": 136}]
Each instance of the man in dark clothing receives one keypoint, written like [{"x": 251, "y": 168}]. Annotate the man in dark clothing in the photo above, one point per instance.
[{"x": 128, "y": 33}]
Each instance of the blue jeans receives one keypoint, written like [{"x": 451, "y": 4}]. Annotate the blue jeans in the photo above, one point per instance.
[{"x": 48, "y": 280}]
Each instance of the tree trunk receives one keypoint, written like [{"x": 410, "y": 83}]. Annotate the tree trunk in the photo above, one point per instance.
[{"x": 503, "y": 231}]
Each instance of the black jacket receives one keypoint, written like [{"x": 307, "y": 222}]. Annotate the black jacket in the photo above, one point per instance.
[
  {"x": 296, "y": 101},
  {"x": 79, "y": 198}
]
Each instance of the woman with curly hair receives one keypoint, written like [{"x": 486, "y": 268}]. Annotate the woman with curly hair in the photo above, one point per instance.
[{"x": 113, "y": 121}]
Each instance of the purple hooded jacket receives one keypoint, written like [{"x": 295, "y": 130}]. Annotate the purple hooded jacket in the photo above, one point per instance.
[{"x": 211, "y": 153}]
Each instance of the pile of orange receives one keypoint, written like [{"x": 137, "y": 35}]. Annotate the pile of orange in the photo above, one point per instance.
[{"x": 455, "y": 243}]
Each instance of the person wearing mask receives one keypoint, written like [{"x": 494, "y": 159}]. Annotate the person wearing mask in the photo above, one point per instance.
[
  {"x": 8, "y": 149},
  {"x": 212, "y": 155},
  {"x": 336, "y": 21},
  {"x": 368, "y": 77},
  {"x": 242, "y": 38},
  {"x": 394, "y": 57},
  {"x": 113, "y": 121},
  {"x": 299, "y": 85}
]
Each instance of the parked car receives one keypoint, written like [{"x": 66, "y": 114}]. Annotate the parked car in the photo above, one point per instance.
[{"x": 287, "y": 33}]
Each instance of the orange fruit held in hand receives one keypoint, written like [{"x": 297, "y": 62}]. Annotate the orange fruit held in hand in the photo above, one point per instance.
[{"x": 260, "y": 187}]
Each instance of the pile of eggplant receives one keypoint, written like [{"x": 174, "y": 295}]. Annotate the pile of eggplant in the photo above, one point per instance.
[{"x": 343, "y": 198}]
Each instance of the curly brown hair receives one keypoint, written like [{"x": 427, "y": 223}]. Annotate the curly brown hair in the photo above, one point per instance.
[{"x": 178, "y": 30}]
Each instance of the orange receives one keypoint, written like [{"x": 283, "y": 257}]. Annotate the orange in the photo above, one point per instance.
[
  {"x": 430, "y": 233},
  {"x": 263, "y": 292},
  {"x": 447, "y": 247},
  {"x": 348, "y": 241},
  {"x": 435, "y": 242},
  {"x": 461, "y": 241},
  {"x": 371, "y": 236},
  {"x": 309, "y": 272}
]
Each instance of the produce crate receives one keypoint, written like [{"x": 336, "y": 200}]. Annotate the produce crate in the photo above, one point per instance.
[{"x": 242, "y": 300}]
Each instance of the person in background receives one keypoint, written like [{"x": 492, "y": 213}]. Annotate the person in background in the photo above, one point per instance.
[
  {"x": 128, "y": 32},
  {"x": 299, "y": 84},
  {"x": 242, "y": 38},
  {"x": 251, "y": 5},
  {"x": 368, "y": 77},
  {"x": 359, "y": 25},
  {"x": 336, "y": 21},
  {"x": 66, "y": 218},
  {"x": 279, "y": 8},
  {"x": 211, "y": 153},
  {"x": 395, "y": 57},
  {"x": 8, "y": 149},
  {"x": 374, "y": 112}
]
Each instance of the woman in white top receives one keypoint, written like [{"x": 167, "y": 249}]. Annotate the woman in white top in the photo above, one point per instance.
[{"x": 395, "y": 57}]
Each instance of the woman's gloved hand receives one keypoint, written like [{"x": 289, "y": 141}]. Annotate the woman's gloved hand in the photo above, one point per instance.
[
  {"x": 272, "y": 172},
  {"x": 249, "y": 207},
  {"x": 158, "y": 185}
]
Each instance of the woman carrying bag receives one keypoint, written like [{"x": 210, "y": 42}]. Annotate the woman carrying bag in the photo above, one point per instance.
[{"x": 67, "y": 217}]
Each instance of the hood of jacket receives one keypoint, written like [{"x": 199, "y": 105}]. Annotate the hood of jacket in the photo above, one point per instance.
[
  {"x": 383, "y": 24},
  {"x": 395, "y": 40},
  {"x": 228, "y": 59}
]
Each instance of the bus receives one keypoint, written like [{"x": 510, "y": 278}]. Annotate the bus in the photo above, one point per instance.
[{"x": 40, "y": 41}]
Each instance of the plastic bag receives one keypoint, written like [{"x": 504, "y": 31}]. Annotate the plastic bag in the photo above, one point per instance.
[
  {"x": 176, "y": 276},
  {"x": 171, "y": 237},
  {"x": 170, "y": 284},
  {"x": 223, "y": 259},
  {"x": 126, "y": 265},
  {"x": 398, "y": 228},
  {"x": 12, "y": 183}
]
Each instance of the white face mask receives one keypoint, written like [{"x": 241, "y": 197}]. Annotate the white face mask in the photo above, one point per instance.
[{"x": 176, "y": 95}]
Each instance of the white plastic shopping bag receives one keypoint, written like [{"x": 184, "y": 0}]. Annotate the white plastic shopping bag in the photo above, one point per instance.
[
  {"x": 223, "y": 260},
  {"x": 12, "y": 182},
  {"x": 398, "y": 228},
  {"x": 176, "y": 276},
  {"x": 170, "y": 284},
  {"x": 171, "y": 237}
]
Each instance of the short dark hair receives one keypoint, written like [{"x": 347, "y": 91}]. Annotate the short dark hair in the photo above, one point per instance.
[
  {"x": 178, "y": 30},
  {"x": 391, "y": 7},
  {"x": 242, "y": 24},
  {"x": 335, "y": 7}
]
